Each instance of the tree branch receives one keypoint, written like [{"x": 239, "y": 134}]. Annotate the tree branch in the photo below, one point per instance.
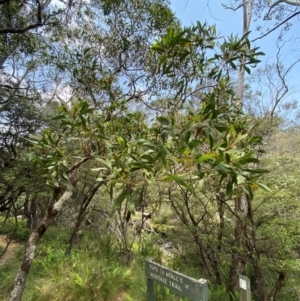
[
  {"x": 290, "y": 2},
  {"x": 21, "y": 30},
  {"x": 77, "y": 164},
  {"x": 232, "y": 8},
  {"x": 267, "y": 33},
  {"x": 39, "y": 23}
]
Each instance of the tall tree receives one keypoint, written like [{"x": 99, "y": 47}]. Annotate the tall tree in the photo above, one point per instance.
[{"x": 109, "y": 71}]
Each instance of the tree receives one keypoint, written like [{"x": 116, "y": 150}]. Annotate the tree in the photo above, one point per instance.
[
  {"x": 22, "y": 103},
  {"x": 129, "y": 154},
  {"x": 101, "y": 81}
]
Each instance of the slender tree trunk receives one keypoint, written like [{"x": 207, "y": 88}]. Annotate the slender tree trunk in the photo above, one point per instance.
[
  {"x": 238, "y": 259},
  {"x": 35, "y": 236},
  {"x": 260, "y": 279},
  {"x": 54, "y": 207},
  {"x": 247, "y": 15},
  {"x": 82, "y": 213},
  {"x": 32, "y": 221},
  {"x": 74, "y": 234},
  {"x": 277, "y": 287},
  {"x": 20, "y": 280}
]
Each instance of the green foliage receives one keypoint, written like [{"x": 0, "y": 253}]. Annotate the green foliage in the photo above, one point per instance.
[
  {"x": 8, "y": 272},
  {"x": 195, "y": 159},
  {"x": 93, "y": 272},
  {"x": 17, "y": 230}
]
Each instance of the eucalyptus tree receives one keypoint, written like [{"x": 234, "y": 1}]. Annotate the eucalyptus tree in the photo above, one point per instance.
[
  {"x": 23, "y": 111},
  {"x": 129, "y": 155},
  {"x": 104, "y": 51}
]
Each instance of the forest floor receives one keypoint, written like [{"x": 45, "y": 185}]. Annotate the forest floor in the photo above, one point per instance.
[{"x": 11, "y": 250}]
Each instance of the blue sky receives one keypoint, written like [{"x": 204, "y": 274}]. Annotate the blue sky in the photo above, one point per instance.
[{"x": 229, "y": 22}]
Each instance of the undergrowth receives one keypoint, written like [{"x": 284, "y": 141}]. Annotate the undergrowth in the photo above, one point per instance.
[
  {"x": 95, "y": 271},
  {"x": 15, "y": 229}
]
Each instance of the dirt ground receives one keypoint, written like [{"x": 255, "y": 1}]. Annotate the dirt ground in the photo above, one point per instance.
[{"x": 10, "y": 252}]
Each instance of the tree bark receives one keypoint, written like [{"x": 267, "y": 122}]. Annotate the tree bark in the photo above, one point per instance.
[
  {"x": 238, "y": 258},
  {"x": 260, "y": 279},
  {"x": 247, "y": 16},
  {"x": 82, "y": 213},
  {"x": 54, "y": 207},
  {"x": 279, "y": 284}
]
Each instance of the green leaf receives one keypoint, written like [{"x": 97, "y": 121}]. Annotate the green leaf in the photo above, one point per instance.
[
  {"x": 58, "y": 117},
  {"x": 247, "y": 69},
  {"x": 31, "y": 156},
  {"x": 181, "y": 182},
  {"x": 170, "y": 178},
  {"x": 240, "y": 179},
  {"x": 87, "y": 111},
  {"x": 65, "y": 176},
  {"x": 257, "y": 170},
  {"x": 229, "y": 189},
  {"x": 157, "y": 47},
  {"x": 121, "y": 141},
  {"x": 106, "y": 163},
  {"x": 141, "y": 197},
  {"x": 201, "y": 185},
  {"x": 150, "y": 145},
  {"x": 119, "y": 200},
  {"x": 263, "y": 186},
  {"x": 206, "y": 157},
  {"x": 163, "y": 120},
  {"x": 238, "y": 139},
  {"x": 134, "y": 197},
  {"x": 138, "y": 166},
  {"x": 223, "y": 169},
  {"x": 211, "y": 141},
  {"x": 219, "y": 159},
  {"x": 250, "y": 192}
]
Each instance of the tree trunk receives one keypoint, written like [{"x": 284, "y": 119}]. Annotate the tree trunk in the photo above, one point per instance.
[
  {"x": 247, "y": 15},
  {"x": 238, "y": 259},
  {"x": 277, "y": 287},
  {"x": 258, "y": 271},
  {"x": 82, "y": 213},
  {"x": 20, "y": 280},
  {"x": 54, "y": 207}
]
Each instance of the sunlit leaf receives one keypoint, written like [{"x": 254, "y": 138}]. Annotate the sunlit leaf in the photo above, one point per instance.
[{"x": 206, "y": 157}]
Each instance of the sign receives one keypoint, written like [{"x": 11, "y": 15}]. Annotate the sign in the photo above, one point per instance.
[
  {"x": 245, "y": 290},
  {"x": 196, "y": 290},
  {"x": 243, "y": 284}
]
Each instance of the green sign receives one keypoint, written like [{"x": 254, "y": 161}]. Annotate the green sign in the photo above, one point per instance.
[{"x": 196, "y": 290}]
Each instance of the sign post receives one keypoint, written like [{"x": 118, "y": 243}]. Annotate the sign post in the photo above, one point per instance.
[
  {"x": 150, "y": 289},
  {"x": 195, "y": 290},
  {"x": 245, "y": 290}
]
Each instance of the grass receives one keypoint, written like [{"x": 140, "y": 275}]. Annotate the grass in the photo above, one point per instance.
[
  {"x": 15, "y": 230},
  {"x": 94, "y": 271},
  {"x": 8, "y": 272}
]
